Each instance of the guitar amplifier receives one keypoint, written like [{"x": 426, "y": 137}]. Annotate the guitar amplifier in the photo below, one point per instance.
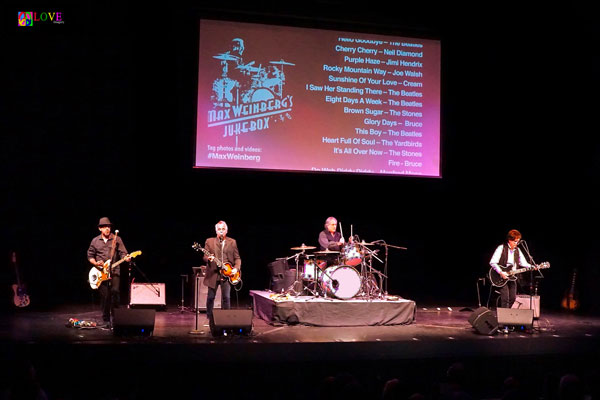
[
  {"x": 201, "y": 291},
  {"x": 149, "y": 295},
  {"x": 525, "y": 302}
]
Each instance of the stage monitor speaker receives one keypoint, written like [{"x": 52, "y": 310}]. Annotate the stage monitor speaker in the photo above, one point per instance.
[
  {"x": 524, "y": 302},
  {"x": 133, "y": 322},
  {"x": 521, "y": 319},
  {"x": 277, "y": 270},
  {"x": 230, "y": 322},
  {"x": 289, "y": 277},
  {"x": 148, "y": 295},
  {"x": 202, "y": 292},
  {"x": 484, "y": 321}
]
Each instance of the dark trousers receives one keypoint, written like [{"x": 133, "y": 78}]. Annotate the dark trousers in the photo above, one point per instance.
[
  {"x": 225, "y": 297},
  {"x": 109, "y": 300},
  {"x": 508, "y": 294}
]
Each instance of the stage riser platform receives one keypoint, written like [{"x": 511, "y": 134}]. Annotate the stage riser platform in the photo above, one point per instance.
[{"x": 319, "y": 311}]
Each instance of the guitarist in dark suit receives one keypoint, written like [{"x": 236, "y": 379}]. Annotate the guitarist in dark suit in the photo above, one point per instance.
[
  {"x": 226, "y": 250},
  {"x": 508, "y": 257},
  {"x": 107, "y": 246}
]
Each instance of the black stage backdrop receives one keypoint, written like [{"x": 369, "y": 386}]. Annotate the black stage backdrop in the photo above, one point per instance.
[{"x": 99, "y": 120}]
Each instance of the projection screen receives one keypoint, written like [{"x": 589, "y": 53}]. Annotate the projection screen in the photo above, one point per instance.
[{"x": 300, "y": 99}]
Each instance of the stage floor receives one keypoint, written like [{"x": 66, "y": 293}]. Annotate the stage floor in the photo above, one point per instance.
[
  {"x": 289, "y": 360},
  {"x": 443, "y": 325}
]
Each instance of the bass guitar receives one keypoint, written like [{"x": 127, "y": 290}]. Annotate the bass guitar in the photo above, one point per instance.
[
  {"x": 21, "y": 298},
  {"x": 99, "y": 274},
  {"x": 570, "y": 300},
  {"x": 498, "y": 281},
  {"x": 225, "y": 268}
]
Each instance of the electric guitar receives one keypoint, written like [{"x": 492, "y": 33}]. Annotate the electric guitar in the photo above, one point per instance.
[
  {"x": 225, "y": 268},
  {"x": 99, "y": 274},
  {"x": 21, "y": 298},
  {"x": 571, "y": 299},
  {"x": 498, "y": 281}
]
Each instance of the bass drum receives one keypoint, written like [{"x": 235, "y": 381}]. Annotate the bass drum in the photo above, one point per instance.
[{"x": 340, "y": 281}]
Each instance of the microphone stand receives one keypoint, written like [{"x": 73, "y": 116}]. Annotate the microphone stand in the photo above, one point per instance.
[
  {"x": 385, "y": 267},
  {"x": 109, "y": 297},
  {"x": 196, "y": 331},
  {"x": 156, "y": 289},
  {"x": 531, "y": 278}
]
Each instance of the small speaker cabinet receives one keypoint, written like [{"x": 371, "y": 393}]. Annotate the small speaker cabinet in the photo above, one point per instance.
[{"x": 148, "y": 295}]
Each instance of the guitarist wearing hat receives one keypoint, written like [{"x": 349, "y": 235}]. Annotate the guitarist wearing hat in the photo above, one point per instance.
[
  {"x": 104, "y": 247},
  {"x": 225, "y": 250}
]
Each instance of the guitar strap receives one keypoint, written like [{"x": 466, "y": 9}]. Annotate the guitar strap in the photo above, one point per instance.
[{"x": 112, "y": 251}]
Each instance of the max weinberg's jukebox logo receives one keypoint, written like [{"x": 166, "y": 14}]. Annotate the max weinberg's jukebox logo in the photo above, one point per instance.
[{"x": 248, "y": 97}]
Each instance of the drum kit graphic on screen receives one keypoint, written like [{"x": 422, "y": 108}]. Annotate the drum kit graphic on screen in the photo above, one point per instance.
[{"x": 248, "y": 83}]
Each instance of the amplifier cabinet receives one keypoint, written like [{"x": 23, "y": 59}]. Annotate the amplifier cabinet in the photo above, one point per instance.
[{"x": 148, "y": 295}]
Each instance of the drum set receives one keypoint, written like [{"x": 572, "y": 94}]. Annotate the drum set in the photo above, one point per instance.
[
  {"x": 253, "y": 83},
  {"x": 344, "y": 274}
]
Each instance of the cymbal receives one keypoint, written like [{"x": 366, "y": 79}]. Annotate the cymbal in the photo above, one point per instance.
[
  {"x": 225, "y": 57},
  {"x": 325, "y": 252},
  {"x": 303, "y": 247},
  {"x": 281, "y": 62},
  {"x": 366, "y": 243}
]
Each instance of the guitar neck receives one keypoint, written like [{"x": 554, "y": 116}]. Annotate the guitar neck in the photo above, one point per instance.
[
  {"x": 17, "y": 272},
  {"x": 117, "y": 263},
  {"x": 209, "y": 254},
  {"x": 518, "y": 271},
  {"x": 132, "y": 255}
]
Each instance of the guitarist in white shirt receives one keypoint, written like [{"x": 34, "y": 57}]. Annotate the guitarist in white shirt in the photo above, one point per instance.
[
  {"x": 108, "y": 246},
  {"x": 226, "y": 250},
  {"x": 508, "y": 257}
]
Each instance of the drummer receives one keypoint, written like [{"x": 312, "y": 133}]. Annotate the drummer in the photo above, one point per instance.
[{"x": 331, "y": 240}]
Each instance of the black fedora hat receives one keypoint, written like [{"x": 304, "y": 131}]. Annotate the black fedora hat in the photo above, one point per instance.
[{"x": 104, "y": 221}]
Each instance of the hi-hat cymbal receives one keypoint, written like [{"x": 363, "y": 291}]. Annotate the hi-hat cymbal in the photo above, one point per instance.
[{"x": 303, "y": 247}]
